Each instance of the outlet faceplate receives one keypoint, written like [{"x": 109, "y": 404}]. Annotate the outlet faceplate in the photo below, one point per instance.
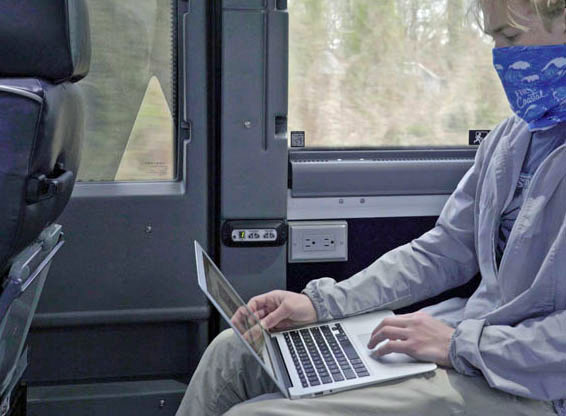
[{"x": 318, "y": 241}]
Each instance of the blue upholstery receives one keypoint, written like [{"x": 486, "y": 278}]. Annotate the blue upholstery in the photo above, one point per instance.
[
  {"x": 44, "y": 47},
  {"x": 46, "y": 39},
  {"x": 41, "y": 129}
]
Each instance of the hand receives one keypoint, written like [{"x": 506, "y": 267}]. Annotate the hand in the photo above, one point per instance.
[
  {"x": 280, "y": 309},
  {"x": 416, "y": 334},
  {"x": 244, "y": 319},
  {"x": 247, "y": 323}
]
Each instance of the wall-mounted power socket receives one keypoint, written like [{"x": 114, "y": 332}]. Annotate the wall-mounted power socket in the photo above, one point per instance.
[{"x": 318, "y": 241}]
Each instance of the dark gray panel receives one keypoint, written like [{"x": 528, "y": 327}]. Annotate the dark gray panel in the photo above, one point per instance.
[
  {"x": 255, "y": 270},
  {"x": 114, "y": 351},
  {"x": 254, "y": 139},
  {"x": 135, "y": 398},
  {"x": 378, "y": 173},
  {"x": 111, "y": 262},
  {"x": 254, "y": 93}
]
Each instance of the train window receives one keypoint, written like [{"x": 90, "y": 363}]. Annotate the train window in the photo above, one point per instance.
[
  {"x": 366, "y": 73},
  {"x": 130, "y": 92}
]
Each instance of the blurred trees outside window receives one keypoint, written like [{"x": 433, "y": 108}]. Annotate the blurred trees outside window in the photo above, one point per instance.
[
  {"x": 368, "y": 73},
  {"x": 363, "y": 73}
]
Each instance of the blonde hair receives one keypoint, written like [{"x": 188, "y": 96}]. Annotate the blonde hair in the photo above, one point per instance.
[{"x": 547, "y": 10}]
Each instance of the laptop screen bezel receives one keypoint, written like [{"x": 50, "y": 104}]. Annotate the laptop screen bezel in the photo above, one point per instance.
[{"x": 273, "y": 372}]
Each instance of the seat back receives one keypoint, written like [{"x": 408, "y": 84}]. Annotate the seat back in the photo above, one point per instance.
[{"x": 44, "y": 49}]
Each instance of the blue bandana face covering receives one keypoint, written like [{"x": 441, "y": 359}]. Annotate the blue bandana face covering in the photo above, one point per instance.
[{"x": 534, "y": 79}]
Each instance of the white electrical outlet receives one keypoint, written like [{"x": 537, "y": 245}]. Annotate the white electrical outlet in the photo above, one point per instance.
[
  {"x": 321, "y": 241},
  {"x": 318, "y": 242}
]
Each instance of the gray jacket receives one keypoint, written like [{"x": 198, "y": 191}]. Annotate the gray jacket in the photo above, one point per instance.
[{"x": 513, "y": 328}]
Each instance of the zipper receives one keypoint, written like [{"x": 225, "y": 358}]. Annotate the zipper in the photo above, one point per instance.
[
  {"x": 497, "y": 222},
  {"x": 493, "y": 255},
  {"x": 521, "y": 214}
]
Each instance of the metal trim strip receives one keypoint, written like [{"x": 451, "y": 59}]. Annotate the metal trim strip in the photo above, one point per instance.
[{"x": 365, "y": 207}]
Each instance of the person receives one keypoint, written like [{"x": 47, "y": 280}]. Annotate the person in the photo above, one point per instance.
[{"x": 501, "y": 351}]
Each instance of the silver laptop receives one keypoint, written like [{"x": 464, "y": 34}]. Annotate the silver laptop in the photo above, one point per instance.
[{"x": 312, "y": 360}]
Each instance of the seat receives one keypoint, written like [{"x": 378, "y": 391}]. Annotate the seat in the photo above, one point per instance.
[{"x": 44, "y": 50}]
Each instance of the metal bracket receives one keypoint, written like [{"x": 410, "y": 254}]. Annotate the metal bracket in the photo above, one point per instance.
[{"x": 41, "y": 187}]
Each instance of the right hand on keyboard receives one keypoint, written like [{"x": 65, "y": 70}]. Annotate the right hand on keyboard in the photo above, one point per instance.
[{"x": 282, "y": 310}]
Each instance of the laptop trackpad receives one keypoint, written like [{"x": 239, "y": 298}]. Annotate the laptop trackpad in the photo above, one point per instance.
[{"x": 393, "y": 358}]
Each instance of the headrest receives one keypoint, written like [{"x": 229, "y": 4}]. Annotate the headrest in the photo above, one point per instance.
[{"x": 47, "y": 39}]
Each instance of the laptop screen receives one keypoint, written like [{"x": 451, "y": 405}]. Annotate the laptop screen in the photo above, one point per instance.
[{"x": 234, "y": 309}]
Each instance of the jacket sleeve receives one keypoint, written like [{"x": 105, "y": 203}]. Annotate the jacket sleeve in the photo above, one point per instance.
[
  {"x": 441, "y": 259},
  {"x": 526, "y": 360}
]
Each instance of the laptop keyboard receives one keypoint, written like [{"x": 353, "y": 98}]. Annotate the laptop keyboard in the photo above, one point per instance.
[{"x": 323, "y": 355}]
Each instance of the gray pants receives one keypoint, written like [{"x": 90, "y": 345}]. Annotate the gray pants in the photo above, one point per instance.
[{"x": 228, "y": 375}]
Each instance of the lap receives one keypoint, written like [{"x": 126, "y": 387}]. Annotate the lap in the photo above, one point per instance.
[{"x": 442, "y": 392}]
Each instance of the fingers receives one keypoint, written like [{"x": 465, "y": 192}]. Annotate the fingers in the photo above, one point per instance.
[
  {"x": 402, "y": 347},
  {"x": 260, "y": 314},
  {"x": 254, "y": 337},
  {"x": 401, "y": 321},
  {"x": 388, "y": 332},
  {"x": 284, "y": 324},
  {"x": 275, "y": 317},
  {"x": 240, "y": 317},
  {"x": 257, "y": 302},
  {"x": 268, "y": 301},
  {"x": 423, "y": 338},
  {"x": 238, "y": 320},
  {"x": 243, "y": 319}
]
